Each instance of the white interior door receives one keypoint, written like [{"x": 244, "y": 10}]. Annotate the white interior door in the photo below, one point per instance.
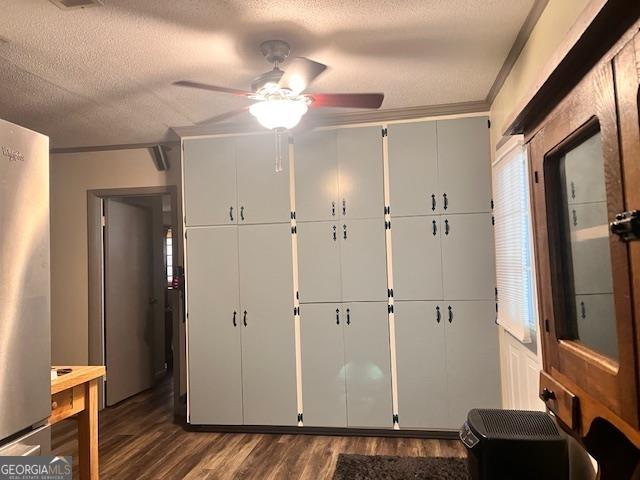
[
  {"x": 473, "y": 370},
  {"x": 368, "y": 365},
  {"x": 316, "y": 176},
  {"x": 209, "y": 166},
  {"x": 360, "y": 172},
  {"x": 129, "y": 315},
  {"x": 417, "y": 258},
  {"x": 413, "y": 169},
  {"x": 215, "y": 360},
  {"x": 421, "y": 354},
  {"x": 468, "y": 267},
  {"x": 363, "y": 260},
  {"x": 319, "y": 262},
  {"x": 268, "y": 341},
  {"x": 263, "y": 193},
  {"x": 323, "y": 369},
  {"x": 464, "y": 168}
]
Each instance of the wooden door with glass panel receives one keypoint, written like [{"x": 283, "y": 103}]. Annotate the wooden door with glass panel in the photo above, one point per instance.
[{"x": 583, "y": 269}]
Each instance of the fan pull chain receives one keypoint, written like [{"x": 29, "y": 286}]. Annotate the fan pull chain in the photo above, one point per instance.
[{"x": 279, "y": 153}]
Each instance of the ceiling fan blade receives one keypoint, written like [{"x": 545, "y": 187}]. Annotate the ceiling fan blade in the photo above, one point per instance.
[
  {"x": 347, "y": 100},
  {"x": 223, "y": 116},
  {"x": 212, "y": 88},
  {"x": 299, "y": 74}
]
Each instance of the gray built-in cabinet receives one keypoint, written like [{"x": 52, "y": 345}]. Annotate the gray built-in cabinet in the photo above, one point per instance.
[{"x": 240, "y": 259}]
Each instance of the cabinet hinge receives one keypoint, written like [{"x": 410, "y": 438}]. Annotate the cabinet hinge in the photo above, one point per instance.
[
  {"x": 293, "y": 215},
  {"x": 300, "y": 417},
  {"x": 493, "y": 220},
  {"x": 496, "y": 291},
  {"x": 492, "y": 204},
  {"x": 535, "y": 176},
  {"x": 297, "y": 295},
  {"x": 546, "y": 325},
  {"x": 488, "y": 123},
  {"x": 294, "y": 229},
  {"x": 387, "y": 225},
  {"x": 390, "y": 308},
  {"x": 387, "y": 210},
  {"x": 185, "y": 219},
  {"x": 296, "y": 311},
  {"x": 384, "y": 132},
  {"x": 389, "y": 292},
  {"x": 395, "y": 418}
]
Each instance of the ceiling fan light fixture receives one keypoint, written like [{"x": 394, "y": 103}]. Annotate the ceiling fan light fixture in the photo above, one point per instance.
[{"x": 279, "y": 113}]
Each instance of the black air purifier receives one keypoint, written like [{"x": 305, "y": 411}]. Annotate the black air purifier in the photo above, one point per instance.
[{"x": 514, "y": 445}]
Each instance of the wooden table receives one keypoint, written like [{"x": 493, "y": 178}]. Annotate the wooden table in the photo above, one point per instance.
[{"x": 76, "y": 393}]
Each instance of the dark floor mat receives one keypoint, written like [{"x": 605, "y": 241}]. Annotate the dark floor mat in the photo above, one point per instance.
[{"x": 381, "y": 467}]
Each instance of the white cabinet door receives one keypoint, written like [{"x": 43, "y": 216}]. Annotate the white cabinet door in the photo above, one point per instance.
[
  {"x": 316, "y": 176},
  {"x": 268, "y": 344},
  {"x": 473, "y": 370},
  {"x": 417, "y": 258},
  {"x": 263, "y": 193},
  {"x": 215, "y": 372},
  {"x": 319, "y": 262},
  {"x": 594, "y": 314},
  {"x": 363, "y": 260},
  {"x": 421, "y": 356},
  {"x": 413, "y": 169},
  {"x": 323, "y": 372},
  {"x": 360, "y": 172},
  {"x": 464, "y": 169},
  {"x": 468, "y": 268},
  {"x": 209, "y": 167},
  {"x": 367, "y": 363},
  {"x": 584, "y": 172},
  {"x": 591, "y": 260}
]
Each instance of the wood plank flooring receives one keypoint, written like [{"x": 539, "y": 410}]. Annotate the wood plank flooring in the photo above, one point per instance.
[{"x": 138, "y": 440}]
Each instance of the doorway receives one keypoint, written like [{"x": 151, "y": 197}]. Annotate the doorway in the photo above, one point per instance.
[{"x": 132, "y": 308}]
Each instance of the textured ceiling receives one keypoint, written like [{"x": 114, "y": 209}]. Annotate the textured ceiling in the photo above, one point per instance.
[{"x": 102, "y": 76}]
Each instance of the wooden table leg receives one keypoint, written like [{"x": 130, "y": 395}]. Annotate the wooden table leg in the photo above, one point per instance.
[{"x": 88, "y": 433}]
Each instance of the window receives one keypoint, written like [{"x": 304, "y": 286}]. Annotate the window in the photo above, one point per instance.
[
  {"x": 168, "y": 252},
  {"x": 513, "y": 243}
]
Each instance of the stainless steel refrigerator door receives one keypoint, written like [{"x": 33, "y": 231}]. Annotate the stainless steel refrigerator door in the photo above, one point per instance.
[{"x": 25, "y": 351}]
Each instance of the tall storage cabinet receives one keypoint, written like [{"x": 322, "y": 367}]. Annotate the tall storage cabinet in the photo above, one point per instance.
[{"x": 365, "y": 301}]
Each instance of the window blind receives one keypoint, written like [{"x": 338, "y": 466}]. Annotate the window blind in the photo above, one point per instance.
[{"x": 512, "y": 239}]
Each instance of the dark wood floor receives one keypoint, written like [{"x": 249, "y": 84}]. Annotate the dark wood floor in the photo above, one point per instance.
[{"x": 138, "y": 440}]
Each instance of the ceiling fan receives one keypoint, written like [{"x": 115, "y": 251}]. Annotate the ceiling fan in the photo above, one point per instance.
[{"x": 279, "y": 101}]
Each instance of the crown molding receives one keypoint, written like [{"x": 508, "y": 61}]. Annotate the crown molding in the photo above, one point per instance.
[
  {"x": 317, "y": 119},
  {"x": 516, "y": 49}
]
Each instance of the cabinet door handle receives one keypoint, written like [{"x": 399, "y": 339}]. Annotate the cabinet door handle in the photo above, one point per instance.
[
  {"x": 234, "y": 319},
  {"x": 450, "y": 314},
  {"x": 348, "y": 317},
  {"x": 583, "y": 310},
  {"x": 438, "y": 315},
  {"x": 344, "y": 207},
  {"x": 344, "y": 232},
  {"x": 435, "y": 227},
  {"x": 445, "y": 199},
  {"x": 337, "y": 316},
  {"x": 575, "y": 217},
  {"x": 335, "y": 235},
  {"x": 231, "y": 213},
  {"x": 244, "y": 318},
  {"x": 433, "y": 202},
  {"x": 242, "y": 213},
  {"x": 333, "y": 209},
  {"x": 446, "y": 226},
  {"x": 573, "y": 190}
]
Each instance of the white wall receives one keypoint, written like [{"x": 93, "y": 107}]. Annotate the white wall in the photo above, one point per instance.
[{"x": 71, "y": 176}]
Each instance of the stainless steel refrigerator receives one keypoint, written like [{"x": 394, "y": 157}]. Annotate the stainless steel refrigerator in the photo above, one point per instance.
[{"x": 25, "y": 345}]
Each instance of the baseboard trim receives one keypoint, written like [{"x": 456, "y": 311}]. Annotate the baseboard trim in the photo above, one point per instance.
[{"x": 326, "y": 431}]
